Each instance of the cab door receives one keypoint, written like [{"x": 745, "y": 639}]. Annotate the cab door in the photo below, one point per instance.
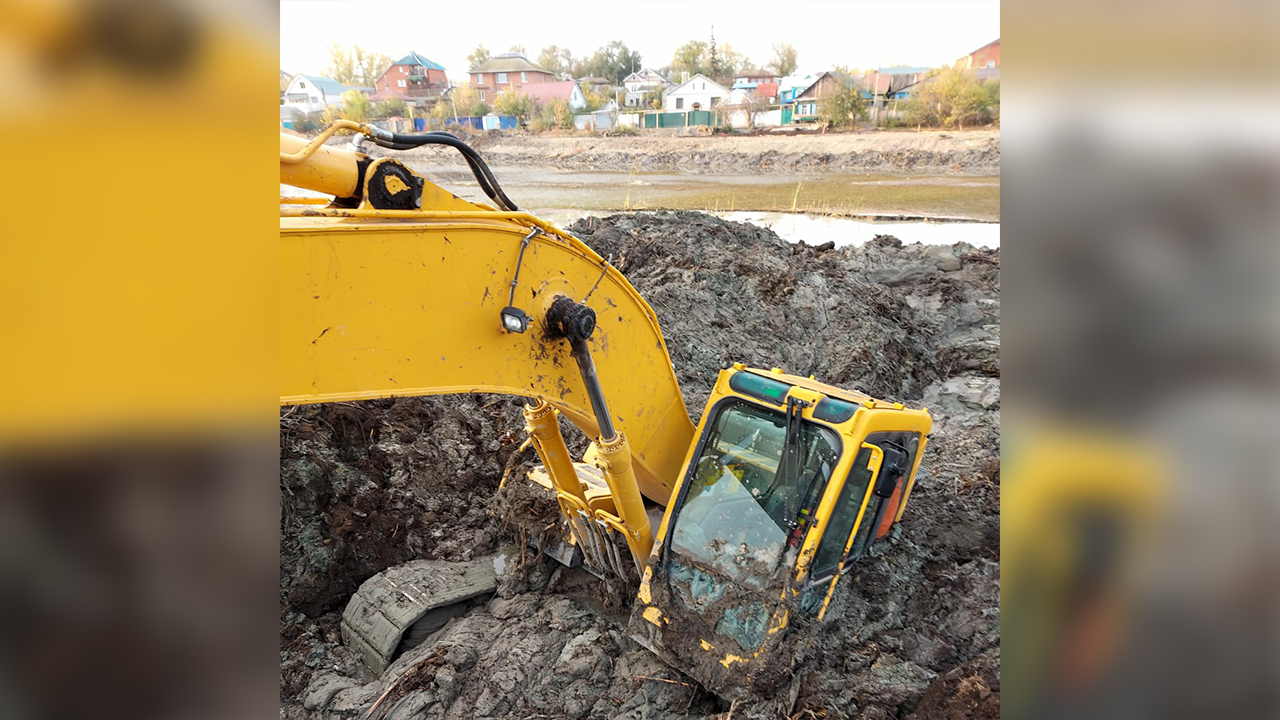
[{"x": 868, "y": 502}]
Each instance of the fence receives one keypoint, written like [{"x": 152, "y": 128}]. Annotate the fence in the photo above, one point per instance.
[
  {"x": 679, "y": 119},
  {"x": 764, "y": 118},
  {"x": 599, "y": 120}
]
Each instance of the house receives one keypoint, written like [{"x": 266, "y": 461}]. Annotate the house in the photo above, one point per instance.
[
  {"x": 805, "y": 102},
  {"x": 312, "y": 93},
  {"x": 508, "y": 71},
  {"x": 567, "y": 90},
  {"x": 697, "y": 93},
  {"x": 414, "y": 78},
  {"x": 792, "y": 85},
  {"x": 892, "y": 83},
  {"x": 640, "y": 83},
  {"x": 987, "y": 56},
  {"x": 751, "y": 79}
]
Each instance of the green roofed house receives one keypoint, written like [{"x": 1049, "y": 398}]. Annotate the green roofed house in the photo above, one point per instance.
[{"x": 414, "y": 78}]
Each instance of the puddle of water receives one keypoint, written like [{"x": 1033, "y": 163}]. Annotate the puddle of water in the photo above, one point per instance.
[
  {"x": 818, "y": 229},
  {"x": 813, "y": 229}
]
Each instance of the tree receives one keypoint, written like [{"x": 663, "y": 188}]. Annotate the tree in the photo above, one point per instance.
[
  {"x": 467, "y": 102},
  {"x": 785, "y": 59},
  {"x": 652, "y": 99},
  {"x": 595, "y": 98},
  {"x": 613, "y": 62},
  {"x": 391, "y": 107},
  {"x": 843, "y": 107},
  {"x": 554, "y": 114},
  {"x": 478, "y": 56},
  {"x": 751, "y": 106},
  {"x": 951, "y": 97},
  {"x": 356, "y": 106},
  {"x": 443, "y": 110},
  {"x": 730, "y": 62},
  {"x": 517, "y": 49},
  {"x": 356, "y": 66},
  {"x": 691, "y": 57},
  {"x": 556, "y": 59},
  {"x": 519, "y": 104}
]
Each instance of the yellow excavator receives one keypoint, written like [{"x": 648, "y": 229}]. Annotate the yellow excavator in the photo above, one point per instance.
[{"x": 730, "y": 533}]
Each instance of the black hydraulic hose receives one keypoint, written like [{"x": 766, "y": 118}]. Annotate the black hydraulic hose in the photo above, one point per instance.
[
  {"x": 403, "y": 141},
  {"x": 481, "y": 178}
]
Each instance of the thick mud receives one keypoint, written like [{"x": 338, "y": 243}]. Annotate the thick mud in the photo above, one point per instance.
[
  {"x": 975, "y": 152},
  {"x": 914, "y": 628}
]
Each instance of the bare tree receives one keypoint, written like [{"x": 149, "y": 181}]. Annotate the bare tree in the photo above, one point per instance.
[{"x": 785, "y": 59}]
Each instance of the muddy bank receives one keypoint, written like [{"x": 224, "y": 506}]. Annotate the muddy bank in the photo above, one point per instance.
[
  {"x": 915, "y": 628},
  {"x": 970, "y": 153}
]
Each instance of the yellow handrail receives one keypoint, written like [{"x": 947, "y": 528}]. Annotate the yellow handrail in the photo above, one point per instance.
[{"x": 325, "y": 134}]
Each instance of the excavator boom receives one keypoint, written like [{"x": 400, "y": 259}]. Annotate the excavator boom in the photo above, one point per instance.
[{"x": 386, "y": 303}]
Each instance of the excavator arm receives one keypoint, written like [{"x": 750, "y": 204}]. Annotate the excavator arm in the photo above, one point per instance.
[{"x": 379, "y": 302}]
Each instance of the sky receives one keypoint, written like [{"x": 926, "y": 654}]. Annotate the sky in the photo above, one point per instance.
[{"x": 861, "y": 35}]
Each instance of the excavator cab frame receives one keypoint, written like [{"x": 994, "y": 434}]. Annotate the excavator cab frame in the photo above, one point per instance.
[{"x": 705, "y": 612}]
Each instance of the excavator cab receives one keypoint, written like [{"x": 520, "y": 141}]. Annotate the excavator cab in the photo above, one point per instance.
[{"x": 789, "y": 482}]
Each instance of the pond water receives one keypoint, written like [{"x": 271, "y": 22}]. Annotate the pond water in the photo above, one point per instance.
[
  {"x": 812, "y": 228},
  {"x": 817, "y": 229}
]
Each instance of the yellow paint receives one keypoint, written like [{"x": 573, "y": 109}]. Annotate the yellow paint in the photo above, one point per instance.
[
  {"x": 653, "y": 615},
  {"x": 731, "y": 659},
  {"x": 706, "y": 645},
  {"x": 329, "y": 170},
  {"x": 644, "y": 595},
  {"x": 375, "y": 307},
  {"x": 395, "y": 185},
  {"x": 780, "y": 621},
  {"x": 541, "y": 422}
]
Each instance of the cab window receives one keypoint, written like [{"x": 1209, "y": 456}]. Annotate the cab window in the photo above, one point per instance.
[{"x": 845, "y": 513}]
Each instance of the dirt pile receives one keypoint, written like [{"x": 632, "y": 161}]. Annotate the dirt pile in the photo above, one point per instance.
[
  {"x": 972, "y": 152},
  {"x": 916, "y": 627}
]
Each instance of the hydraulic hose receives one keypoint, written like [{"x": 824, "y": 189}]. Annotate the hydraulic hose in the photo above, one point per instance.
[{"x": 484, "y": 176}]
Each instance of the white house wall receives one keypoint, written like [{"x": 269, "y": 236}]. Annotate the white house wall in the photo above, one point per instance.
[{"x": 696, "y": 91}]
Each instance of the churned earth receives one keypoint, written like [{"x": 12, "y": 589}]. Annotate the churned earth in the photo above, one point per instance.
[{"x": 914, "y": 628}]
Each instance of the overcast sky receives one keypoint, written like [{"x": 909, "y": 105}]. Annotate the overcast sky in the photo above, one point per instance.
[{"x": 855, "y": 34}]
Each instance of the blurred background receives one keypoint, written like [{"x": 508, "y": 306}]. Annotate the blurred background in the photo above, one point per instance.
[
  {"x": 138, "y": 501},
  {"x": 138, "y": 508},
  {"x": 1141, "y": 174}
]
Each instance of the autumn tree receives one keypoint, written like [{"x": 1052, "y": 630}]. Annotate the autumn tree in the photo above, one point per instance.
[
  {"x": 465, "y": 100},
  {"x": 613, "y": 62},
  {"x": 478, "y": 56},
  {"x": 951, "y": 97},
  {"x": 729, "y": 63},
  {"x": 512, "y": 103},
  {"x": 785, "y": 59},
  {"x": 517, "y": 49},
  {"x": 356, "y": 66},
  {"x": 391, "y": 107},
  {"x": 554, "y": 114},
  {"x": 843, "y": 107},
  {"x": 692, "y": 57},
  {"x": 556, "y": 59},
  {"x": 353, "y": 105}
]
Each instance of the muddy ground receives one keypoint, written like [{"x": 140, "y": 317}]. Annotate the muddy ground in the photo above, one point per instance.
[
  {"x": 971, "y": 152},
  {"x": 914, "y": 629}
]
